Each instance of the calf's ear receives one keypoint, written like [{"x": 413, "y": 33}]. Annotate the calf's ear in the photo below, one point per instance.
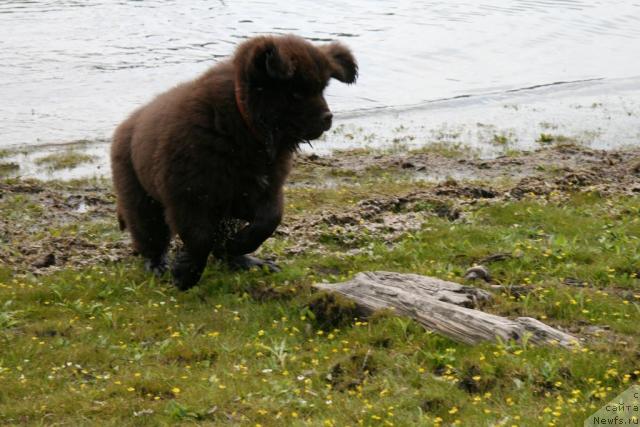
[
  {"x": 278, "y": 66},
  {"x": 271, "y": 61},
  {"x": 261, "y": 58},
  {"x": 343, "y": 65}
]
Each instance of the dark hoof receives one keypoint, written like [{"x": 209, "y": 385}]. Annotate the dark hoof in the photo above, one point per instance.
[
  {"x": 156, "y": 266},
  {"x": 185, "y": 272},
  {"x": 247, "y": 262}
]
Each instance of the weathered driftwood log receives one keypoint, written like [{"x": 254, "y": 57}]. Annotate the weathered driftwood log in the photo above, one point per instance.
[{"x": 443, "y": 307}]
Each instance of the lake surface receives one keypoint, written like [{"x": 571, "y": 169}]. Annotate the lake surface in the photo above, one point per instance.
[{"x": 73, "y": 69}]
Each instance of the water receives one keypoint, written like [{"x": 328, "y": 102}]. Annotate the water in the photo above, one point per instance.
[{"x": 73, "y": 69}]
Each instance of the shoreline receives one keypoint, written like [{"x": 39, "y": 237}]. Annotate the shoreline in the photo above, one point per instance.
[
  {"x": 444, "y": 175},
  {"x": 599, "y": 114}
]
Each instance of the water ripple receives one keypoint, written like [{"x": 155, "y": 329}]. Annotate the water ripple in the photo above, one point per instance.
[{"x": 73, "y": 69}]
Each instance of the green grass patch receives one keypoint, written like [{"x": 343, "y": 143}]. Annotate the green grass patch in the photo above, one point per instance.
[
  {"x": 448, "y": 149},
  {"x": 68, "y": 159},
  {"x": 549, "y": 139},
  {"x": 8, "y": 168},
  {"x": 111, "y": 345}
]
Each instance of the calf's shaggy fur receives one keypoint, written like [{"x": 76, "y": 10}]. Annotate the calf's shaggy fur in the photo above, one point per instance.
[{"x": 217, "y": 150}]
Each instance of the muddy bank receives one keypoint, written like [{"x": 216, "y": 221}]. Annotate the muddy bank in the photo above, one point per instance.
[
  {"x": 46, "y": 226},
  {"x": 441, "y": 163},
  {"x": 555, "y": 172}
]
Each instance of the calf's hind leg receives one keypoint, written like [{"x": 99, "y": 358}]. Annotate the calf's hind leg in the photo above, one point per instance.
[
  {"x": 198, "y": 232},
  {"x": 143, "y": 217}
]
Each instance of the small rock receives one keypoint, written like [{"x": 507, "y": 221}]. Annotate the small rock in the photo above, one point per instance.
[
  {"x": 628, "y": 295},
  {"x": 407, "y": 165},
  {"x": 496, "y": 257},
  {"x": 447, "y": 212},
  {"x": 580, "y": 178},
  {"x": 142, "y": 412},
  {"x": 478, "y": 272},
  {"x": 481, "y": 193},
  {"x": 596, "y": 330},
  {"x": 572, "y": 281},
  {"x": 45, "y": 261},
  {"x": 514, "y": 290}
]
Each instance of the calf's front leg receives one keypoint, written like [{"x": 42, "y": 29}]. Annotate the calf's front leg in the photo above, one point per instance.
[{"x": 266, "y": 219}]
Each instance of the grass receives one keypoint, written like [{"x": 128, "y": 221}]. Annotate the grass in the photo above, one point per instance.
[
  {"x": 547, "y": 139},
  {"x": 111, "y": 345},
  {"x": 500, "y": 139},
  {"x": 8, "y": 168},
  {"x": 68, "y": 159},
  {"x": 448, "y": 150}
]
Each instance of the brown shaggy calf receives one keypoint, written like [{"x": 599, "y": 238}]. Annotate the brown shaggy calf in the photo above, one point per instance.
[{"x": 218, "y": 149}]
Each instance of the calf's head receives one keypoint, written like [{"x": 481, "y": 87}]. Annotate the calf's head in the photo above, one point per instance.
[{"x": 280, "y": 82}]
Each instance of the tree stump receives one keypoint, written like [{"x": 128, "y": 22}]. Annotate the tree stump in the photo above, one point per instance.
[{"x": 444, "y": 307}]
